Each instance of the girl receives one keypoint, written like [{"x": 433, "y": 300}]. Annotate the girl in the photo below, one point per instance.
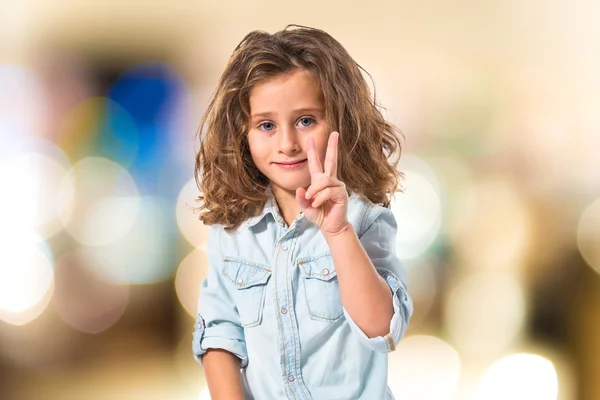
[{"x": 304, "y": 296}]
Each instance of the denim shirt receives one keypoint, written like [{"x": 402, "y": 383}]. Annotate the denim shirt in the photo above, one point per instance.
[{"x": 272, "y": 298}]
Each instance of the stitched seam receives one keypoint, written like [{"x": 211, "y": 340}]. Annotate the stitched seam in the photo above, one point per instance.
[
  {"x": 237, "y": 261},
  {"x": 400, "y": 311},
  {"x": 261, "y": 304},
  {"x": 306, "y": 260},
  {"x": 363, "y": 219},
  {"x": 321, "y": 277},
  {"x": 397, "y": 330},
  {"x": 296, "y": 345},
  {"x": 249, "y": 324},
  {"x": 312, "y": 314},
  {"x": 332, "y": 271},
  {"x": 279, "y": 322},
  {"x": 245, "y": 285},
  {"x": 256, "y": 321}
]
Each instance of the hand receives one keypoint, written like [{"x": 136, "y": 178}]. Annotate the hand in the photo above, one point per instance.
[{"x": 325, "y": 202}]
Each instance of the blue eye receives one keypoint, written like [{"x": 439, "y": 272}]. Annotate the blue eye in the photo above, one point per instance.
[
  {"x": 306, "y": 121},
  {"x": 267, "y": 126}
]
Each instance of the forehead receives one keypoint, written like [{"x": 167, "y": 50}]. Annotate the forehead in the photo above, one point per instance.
[{"x": 287, "y": 92}]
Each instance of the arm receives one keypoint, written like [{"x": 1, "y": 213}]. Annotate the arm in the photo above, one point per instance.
[
  {"x": 222, "y": 371},
  {"x": 219, "y": 342},
  {"x": 365, "y": 294},
  {"x": 367, "y": 269},
  {"x": 371, "y": 279}
]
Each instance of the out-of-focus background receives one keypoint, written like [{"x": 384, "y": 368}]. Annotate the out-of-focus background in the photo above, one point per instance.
[{"x": 101, "y": 256}]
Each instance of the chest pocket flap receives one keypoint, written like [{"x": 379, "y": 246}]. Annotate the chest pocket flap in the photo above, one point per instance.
[
  {"x": 245, "y": 274},
  {"x": 319, "y": 267},
  {"x": 321, "y": 288},
  {"x": 250, "y": 279}
]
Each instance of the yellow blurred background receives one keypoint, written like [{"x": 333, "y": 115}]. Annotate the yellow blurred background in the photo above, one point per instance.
[{"x": 499, "y": 226}]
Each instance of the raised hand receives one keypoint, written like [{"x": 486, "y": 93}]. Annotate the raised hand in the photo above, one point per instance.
[{"x": 325, "y": 202}]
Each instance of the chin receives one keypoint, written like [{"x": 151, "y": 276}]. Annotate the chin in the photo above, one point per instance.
[{"x": 291, "y": 185}]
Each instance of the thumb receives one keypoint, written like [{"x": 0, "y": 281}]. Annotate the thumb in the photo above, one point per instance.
[{"x": 302, "y": 202}]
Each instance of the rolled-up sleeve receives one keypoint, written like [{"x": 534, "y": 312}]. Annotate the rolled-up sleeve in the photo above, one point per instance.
[
  {"x": 217, "y": 324},
  {"x": 379, "y": 241}
]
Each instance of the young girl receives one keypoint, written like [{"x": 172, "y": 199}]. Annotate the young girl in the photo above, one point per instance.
[{"x": 304, "y": 296}]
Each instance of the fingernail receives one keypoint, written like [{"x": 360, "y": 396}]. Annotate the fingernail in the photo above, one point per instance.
[{"x": 307, "y": 195}]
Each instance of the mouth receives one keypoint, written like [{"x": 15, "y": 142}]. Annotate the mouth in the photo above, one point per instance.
[{"x": 291, "y": 164}]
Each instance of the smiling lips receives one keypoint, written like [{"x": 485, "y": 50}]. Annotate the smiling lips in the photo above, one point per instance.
[{"x": 291, "y": 164}]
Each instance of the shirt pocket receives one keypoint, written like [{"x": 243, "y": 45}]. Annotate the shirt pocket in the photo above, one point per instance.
[
  {"x": 249, "y": 280},
  {"x": 321, "y": 287}
]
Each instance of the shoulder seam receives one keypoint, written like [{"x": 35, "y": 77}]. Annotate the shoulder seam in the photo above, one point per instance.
[{"x": 366, "y": 212}]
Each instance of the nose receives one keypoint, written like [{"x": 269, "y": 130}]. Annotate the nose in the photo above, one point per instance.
[{"x": 288, "y": 141}]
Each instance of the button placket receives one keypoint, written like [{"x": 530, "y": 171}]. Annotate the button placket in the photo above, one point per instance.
[{"x": 285, "y": 314}]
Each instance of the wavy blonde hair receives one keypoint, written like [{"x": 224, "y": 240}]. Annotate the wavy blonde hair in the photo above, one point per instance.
[{"x": 232, "y": 188}]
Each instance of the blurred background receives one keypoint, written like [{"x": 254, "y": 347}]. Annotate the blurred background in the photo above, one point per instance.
[{"x": 101, "y": 256}]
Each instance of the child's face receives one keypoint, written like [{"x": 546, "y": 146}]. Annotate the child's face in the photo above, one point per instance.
[{"x": 285, "y": 112}]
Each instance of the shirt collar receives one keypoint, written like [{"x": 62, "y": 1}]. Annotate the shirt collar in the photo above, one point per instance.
[{"x": 270, "y": 207}]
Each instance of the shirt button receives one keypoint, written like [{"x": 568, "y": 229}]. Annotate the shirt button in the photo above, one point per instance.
[
  {"x": 325, "y": 271},
  {"x": 240, "y": 281},
  {"x": 283, "y": 310},
  {"x": 284, "y": 247},
  {"x": 290, "y": 378}
]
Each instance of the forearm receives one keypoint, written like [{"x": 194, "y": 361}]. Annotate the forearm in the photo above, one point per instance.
[
  {"x": 364, "y": 293},
  {"x": 222, "y": 371}
]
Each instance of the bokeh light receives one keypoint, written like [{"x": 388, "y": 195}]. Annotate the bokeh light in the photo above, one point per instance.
[
  {"x": 23, "y": 105},
  {"x": 191, "y": 272},
  {"x": 106, "y": 201},
  {"x": 455, "y": 177},
  {"x": 143, "y": 254},
  {"x": 30, "y": 177},
  {"x": 588, "y": 235},
  {"x": 99, "y": 127},
  {"x": 499, "y": 243},
  {"x": 421, "y": 279},
  {"x": 190, "y": 226},
  {"x": 519, "y": 377},
  {"x": 152, "y": 93},
  {"x": 485, "y": 313},
  {"x": 417, "y": 209},
  {"x": 84, "y": 300},
  {"x": 188, "y": 368},
  {"x": 26, "y": 278},
  {"x": 18, "y": 207},
  {"x": 498, "y": 228},
  {"x": 422, "y": 368}
]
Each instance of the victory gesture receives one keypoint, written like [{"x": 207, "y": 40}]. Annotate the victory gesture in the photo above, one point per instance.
[{"x": 325, "y": 202}]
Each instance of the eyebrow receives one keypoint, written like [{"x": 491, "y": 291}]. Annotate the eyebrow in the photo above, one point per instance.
[{"x": 309, "y": 110}]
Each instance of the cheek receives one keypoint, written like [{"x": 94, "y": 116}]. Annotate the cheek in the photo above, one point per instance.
[{"x": 258, "y": 150}]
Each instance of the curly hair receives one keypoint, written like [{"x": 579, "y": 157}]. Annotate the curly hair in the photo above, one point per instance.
[{"x": 231, "y": 186}]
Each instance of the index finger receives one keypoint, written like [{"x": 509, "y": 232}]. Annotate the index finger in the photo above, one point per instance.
[
  {"x": 314, "y": 164},
  {"x": 331, "y": 155}
]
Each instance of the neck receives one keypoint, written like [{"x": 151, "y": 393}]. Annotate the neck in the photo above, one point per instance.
[{"x": 286, "y": 201}]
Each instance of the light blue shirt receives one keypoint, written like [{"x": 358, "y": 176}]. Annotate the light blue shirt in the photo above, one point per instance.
[{"x": 271, "y": 297}]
